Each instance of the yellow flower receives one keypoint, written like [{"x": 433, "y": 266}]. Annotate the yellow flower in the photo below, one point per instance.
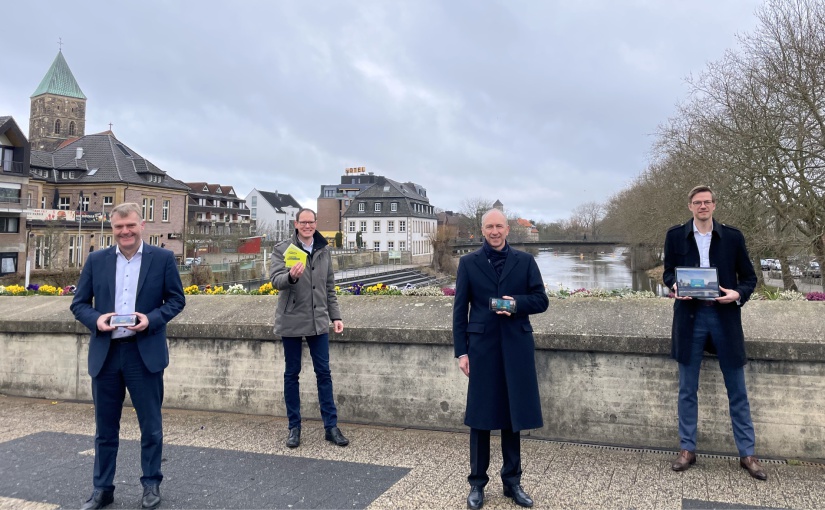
[{"x": 266, "y": 288}]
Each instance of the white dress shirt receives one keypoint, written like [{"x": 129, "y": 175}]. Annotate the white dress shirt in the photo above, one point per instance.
[{"x": 126, "y": 281}]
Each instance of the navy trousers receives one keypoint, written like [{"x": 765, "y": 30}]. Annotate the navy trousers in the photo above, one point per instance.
[
  {"x": 319, "y": 350},
  {"x": 122, "y": 370},
  {"x": 707, "y": 325},
  {"x": 480, "y": 457}
]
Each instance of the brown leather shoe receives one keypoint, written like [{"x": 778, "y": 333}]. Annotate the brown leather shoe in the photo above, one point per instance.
[
  {"x": 752, "y": 465},
  {"x": 683, "y": 462}
]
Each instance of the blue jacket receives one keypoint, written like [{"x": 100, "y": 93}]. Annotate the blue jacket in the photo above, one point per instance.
[
  {"x": 159, "y": 296},
  {"x": 729, "y": 255}
]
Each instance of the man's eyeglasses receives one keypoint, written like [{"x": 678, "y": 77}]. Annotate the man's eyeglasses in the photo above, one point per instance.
[
  {"x": 306, "y": 223},
  {"x": 706, "y": 203}
]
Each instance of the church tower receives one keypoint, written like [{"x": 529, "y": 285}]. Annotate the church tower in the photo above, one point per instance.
[{"x": 58, "y": 108}]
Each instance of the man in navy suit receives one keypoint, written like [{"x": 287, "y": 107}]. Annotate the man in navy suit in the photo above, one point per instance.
[
  {"x": 503, "y": 391},
  {"x": 131, "y": 279},
  {"x": 711, "y": 324}
]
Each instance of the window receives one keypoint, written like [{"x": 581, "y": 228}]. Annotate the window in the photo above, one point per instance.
[
  {"x": 391, "y": 226},
  {"x": 363, "y": 226},
  {"x": 84, "y": 203},
  {"x": 10, "y": 192},
  {"x": 67, "y": 175},
  {"x": 352, "y": 245},
  {"x": 376, "y": 226},
  {"x": 352, "y": 226},
  {"x": 329, "y": 193},
  {"x": 154, "y": 240},
  {"x": 376, "y": 246},
  {"x": 253, "y": 201},
  {"x": 8, "y": 263},
  {"x": 144, "y": 208},
  {"x": 104, "y": 241},
  {"x": 202, "y": 201},
  {"x": 43, "y": 202},
  {"x": 390, "y": 245},
  {"x": 362, "y": 207},
  {"x": 402, "y": 226},
  {"x": 165, "y": 211},
  {"x": 71, "y": 128},
  {"x": 402, "y": 245},
  {"x": 7, "y": 158},
  {"x": 378, "y": 207},
  {"x": 109, "y": 201},
  {"x": 41, "y": 252},
  {"x": 57, "y": 126},
  {"x": 76, "y": 251},
  {"x": 9, "y": 225},
  {"x": 253, "y": 213},
  {"x": 394, "y": 206},
  {"x": 64, "y": 203}
]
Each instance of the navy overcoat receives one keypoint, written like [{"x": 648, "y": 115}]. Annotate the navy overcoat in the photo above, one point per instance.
[
  {"x": 729, "y": 255},
  {"x": 503, "y": 390}
]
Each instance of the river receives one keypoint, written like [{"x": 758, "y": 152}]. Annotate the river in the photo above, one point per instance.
[{"x": 590, "y": 270}]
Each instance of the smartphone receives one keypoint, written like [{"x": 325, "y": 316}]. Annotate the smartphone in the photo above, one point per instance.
[
  {"x": 502, "y": 305},
  {"x": 123, "y": 320}
]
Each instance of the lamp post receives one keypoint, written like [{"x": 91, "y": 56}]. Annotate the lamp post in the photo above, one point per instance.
[{"x": 77, "y": 251}]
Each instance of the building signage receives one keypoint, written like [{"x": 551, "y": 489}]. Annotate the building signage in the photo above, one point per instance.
[
  {"x": 355, "y": 170},
  {"x": 50, "y": 215}
]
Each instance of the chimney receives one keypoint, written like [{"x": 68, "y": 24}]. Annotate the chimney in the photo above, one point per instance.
[{"x": 78, "y": 153}]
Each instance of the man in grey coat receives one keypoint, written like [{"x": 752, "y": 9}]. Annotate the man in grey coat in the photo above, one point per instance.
[{"x": 306, "y": 303}]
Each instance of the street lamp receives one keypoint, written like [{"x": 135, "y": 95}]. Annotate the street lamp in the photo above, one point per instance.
[{"x": 77, "y": 251}]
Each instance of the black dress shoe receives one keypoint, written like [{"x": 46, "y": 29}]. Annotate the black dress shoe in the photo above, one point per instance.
[
  {"x": 753, "y": 467},
  {"x": 476, "y": 498},
  {"x": 334, "y": 435},
  {"x": 294, "y": 439},
  {"x": 98, "y": 499},
  {"x": 151, "y": 496},
  {"x": 519, "y": 496}
]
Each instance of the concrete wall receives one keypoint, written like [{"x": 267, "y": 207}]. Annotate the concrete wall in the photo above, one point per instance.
[{"x": 604, "y": 367}]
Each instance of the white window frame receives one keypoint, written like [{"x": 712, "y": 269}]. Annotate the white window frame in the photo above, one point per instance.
[
  {"x": 402, "y": 226},
  {"x": 394, "y": 207},
  {"x": 390, "y": 226},
  {"x": 165, "y": 210},
  {"x": 376, "y": 246},
  {"x": 362, "y": 207},
  {"x": 376, "y": 226},
  {"x": 363, "y": 226},
  {"x": 352, "y": 226},
  {"x": 377, "y": 207}
]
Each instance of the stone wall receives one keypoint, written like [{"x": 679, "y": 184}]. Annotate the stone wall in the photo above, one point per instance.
[{"x": 604, "y": 367}]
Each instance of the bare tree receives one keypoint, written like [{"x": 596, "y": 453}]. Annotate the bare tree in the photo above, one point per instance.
[{"x": 472, "y": 209}]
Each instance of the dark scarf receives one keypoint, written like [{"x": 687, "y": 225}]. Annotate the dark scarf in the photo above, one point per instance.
[{"x": 496, "y": 258}]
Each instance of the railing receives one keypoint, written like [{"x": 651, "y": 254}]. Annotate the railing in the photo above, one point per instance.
[
  {"x": 15, "y": 167},
  {"x": 19, "y": 201}
]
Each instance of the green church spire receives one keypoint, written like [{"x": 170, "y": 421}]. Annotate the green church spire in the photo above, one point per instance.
[{"x": 59, "y": 80}]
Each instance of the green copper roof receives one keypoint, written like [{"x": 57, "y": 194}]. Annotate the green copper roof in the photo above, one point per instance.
[{"x": 59, "y": 80}]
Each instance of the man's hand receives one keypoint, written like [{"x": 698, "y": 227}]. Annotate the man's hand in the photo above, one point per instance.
[
  {"x": 677, "y": 296},
  {"x": 297, "y": 270},
  {"x": 729, "y": 296},
  {"x": 338, "y": 326},
  {"x": 464, "y": 365},
  {"x": 143, "y": 323},
  {"x": 502, "y": 312},
  {"x": 103, "y": 322}
]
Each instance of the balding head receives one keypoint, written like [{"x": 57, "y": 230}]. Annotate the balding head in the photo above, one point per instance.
[{"x": 495, "y": 228}]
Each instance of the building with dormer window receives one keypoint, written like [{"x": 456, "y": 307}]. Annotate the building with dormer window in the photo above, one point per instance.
[
  {"x": 392, "y": 216},
  {"x": 15, "y": 197},
  {"x": 216, "y": 214}
]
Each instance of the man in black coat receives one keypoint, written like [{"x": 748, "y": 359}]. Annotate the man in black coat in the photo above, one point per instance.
[
  {"x": 503, "y": 391},
  {"x": 711, "y": 324}
]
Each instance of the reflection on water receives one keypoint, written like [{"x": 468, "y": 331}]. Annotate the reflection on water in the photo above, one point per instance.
[{"x": 604, "y": 269}]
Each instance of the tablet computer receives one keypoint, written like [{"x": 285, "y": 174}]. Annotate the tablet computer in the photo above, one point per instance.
[{"x": 697, "y": 282}]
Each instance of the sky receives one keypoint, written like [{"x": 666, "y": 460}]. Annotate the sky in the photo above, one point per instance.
[{"x": 544, "y": 104}]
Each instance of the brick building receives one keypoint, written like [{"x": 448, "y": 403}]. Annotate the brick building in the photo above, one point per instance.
[{"x": 14, "y": 197}]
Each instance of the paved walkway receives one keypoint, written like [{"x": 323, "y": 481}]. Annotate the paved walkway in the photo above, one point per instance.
[{"x": 221, "y": 460}]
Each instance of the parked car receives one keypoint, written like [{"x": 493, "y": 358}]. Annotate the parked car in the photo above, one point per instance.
[
  {"x": 795, "y": 271},
  {"x": 191, "y": 261},
  {"x": 765, "y": 264},
  {"x": 776, "y": 266},
  {"x": 813, "y": 270}
]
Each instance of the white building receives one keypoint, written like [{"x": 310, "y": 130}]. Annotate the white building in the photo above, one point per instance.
[
  {"x": 273, "y": 213},
  {"x": 392, "y": 216}
]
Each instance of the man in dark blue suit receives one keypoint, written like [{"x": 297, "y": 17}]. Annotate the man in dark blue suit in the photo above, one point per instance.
[
  {"x": 503, "y": 392},
  {"x": 711, "y": 324},
  {"x": 129, "y": 280}
]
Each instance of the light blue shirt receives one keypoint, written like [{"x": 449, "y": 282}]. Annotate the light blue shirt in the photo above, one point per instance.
[
  {"x": 703, "y": 243},
  {"x": 307, "y": 247},
  {"x": 126, "y": 281}
]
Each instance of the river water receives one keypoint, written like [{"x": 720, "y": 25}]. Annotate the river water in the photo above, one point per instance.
[{"x": 573, "y": 269}]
